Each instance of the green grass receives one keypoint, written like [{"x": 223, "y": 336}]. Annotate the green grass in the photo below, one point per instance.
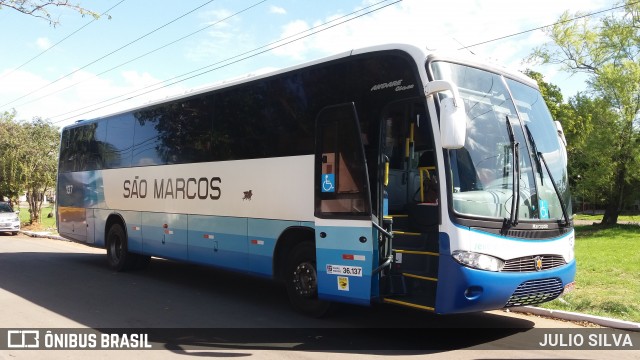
[
  {"x": 631, "y": 218},
  {"x": 46, "y": 223},
  {"x": 608, "y": 273}
]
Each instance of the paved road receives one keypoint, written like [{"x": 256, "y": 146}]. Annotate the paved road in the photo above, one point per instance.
[{"x": 48, "y": 283}]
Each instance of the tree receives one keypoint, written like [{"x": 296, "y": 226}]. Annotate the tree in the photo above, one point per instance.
[
  {"x": 28, "y": 160},
  {"x": 609, "y": 52},
  {"x": 10, "y": 144},
  {"x": 39, "y": 163},
  {"x": 40, "y": 8}
]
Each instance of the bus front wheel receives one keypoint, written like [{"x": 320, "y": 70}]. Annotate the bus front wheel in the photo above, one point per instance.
[{"x": 302, "y": 281}]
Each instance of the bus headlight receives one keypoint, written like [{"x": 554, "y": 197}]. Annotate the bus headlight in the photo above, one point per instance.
[{"x": 478, "y": 261}]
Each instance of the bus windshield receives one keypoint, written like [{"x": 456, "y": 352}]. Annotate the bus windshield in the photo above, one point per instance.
[{"x": 510, "y": 137}]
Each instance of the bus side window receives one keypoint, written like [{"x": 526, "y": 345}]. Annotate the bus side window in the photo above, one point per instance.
[{"x": 119, "y": 141}]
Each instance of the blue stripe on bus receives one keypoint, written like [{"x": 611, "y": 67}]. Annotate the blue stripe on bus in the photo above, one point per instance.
[
  {"x": 233, "y": 243},
  {"x": 219, "y": 241}
]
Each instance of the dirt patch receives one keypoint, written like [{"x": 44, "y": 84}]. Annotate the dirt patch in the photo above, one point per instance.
[{"x": 38, "y": 227}]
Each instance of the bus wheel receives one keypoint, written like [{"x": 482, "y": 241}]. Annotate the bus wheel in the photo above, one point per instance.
[
  {"x": 119, "y": 257},
  {"x": 302, "y": 281}
]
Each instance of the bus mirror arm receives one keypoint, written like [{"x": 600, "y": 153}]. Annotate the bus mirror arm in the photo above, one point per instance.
[
  {"x": 437, "y": 86},
  {"x": 453, "y": 118}
]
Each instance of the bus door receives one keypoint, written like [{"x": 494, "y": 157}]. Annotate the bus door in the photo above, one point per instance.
[
  {"x": 346, "y": 240},
  {"x": 413, "y": 205}
]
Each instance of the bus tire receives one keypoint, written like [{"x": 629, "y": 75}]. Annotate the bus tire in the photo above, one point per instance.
[
  {"x": 301, "y": 280},
  {"x": 118, "y": 255}
]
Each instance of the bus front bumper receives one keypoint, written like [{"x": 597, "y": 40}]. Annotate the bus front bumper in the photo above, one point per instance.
[{"x": 463, "y": 289}]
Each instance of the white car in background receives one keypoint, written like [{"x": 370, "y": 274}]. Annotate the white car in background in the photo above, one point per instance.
[{"x": 9, "y": 220}]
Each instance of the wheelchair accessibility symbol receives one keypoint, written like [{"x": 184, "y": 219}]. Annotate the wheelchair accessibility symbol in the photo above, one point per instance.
[
  {"x": 544, "y": 209},
  {"x": 327, "y": 183}
]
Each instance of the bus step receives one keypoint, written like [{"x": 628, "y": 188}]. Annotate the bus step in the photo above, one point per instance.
[
  {"x": 399, "y": 221},
  {"x": 420, "y": 291},
  {"x": 403, "y": 302},
  {"x": 415, "y": 265},
  {"x": 407, "y": 240},
  {"x": 397, "y": 285}
]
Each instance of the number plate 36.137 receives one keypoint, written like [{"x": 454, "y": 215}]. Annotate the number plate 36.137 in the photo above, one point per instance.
[{"x": 344, "y": 270}]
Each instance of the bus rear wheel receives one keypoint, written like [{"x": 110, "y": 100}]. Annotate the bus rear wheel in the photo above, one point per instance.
[
  {"x": 118, "y": 255},
  {"x": 301, "y": 279}
]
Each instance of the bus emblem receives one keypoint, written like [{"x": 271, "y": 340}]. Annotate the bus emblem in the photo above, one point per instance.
[
  {"x": 247, "y": 195},
  {"x": 538, "y": 263}
]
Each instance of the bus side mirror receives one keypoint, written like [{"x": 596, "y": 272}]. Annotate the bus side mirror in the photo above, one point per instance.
[
  {"x": 453, "y": 124},
  {"x": 453, "y": 118}
]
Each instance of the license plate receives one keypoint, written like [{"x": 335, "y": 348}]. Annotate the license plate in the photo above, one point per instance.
[{"x": 344, "y": 270}]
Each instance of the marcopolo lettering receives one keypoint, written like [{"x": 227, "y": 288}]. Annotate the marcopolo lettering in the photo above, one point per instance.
[{"x": 192, "y": 188}]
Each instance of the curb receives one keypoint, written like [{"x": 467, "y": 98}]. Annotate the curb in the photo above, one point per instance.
[
  {"x": 43, "y": 234},
  {"x": 557, "y": 314},
  {"x": 572, "y": 316}
]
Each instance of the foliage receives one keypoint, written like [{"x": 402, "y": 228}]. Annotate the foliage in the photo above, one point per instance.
[
  {"x": 591, "y": 162},
  {"x": 10, "y": 138},
  {"x": 40, "y": 8},
  {"x": 28, "y": 160},
  {"x": 609, "y": 53},
  {"x": 39, "y": 163}
]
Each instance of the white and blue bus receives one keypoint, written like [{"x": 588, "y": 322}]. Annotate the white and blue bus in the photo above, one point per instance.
[{"x": 382, "y": 174}]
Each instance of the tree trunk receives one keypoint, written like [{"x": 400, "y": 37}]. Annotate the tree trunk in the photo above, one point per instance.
[
  {"x": 35, "y": 198},
  {"x": 615, "y": 199},
  {"x": 610, "y": 215}
]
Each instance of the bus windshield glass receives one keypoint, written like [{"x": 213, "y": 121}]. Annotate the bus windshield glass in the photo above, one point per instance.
[{"x": 483, "y": 171}]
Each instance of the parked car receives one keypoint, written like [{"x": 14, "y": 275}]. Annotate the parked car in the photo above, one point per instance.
[{"x": 9, "y": 219}]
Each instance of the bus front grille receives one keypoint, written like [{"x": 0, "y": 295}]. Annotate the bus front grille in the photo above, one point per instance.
[
  {"x": 528, "y": 263},
  {"x": 535, "y": 292}
]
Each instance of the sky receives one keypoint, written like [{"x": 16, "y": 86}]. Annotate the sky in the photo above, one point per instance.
[{"x": 148, "y": 50}]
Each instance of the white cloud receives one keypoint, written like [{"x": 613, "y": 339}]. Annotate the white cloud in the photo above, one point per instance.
[
  {"x": 224, "y": 39},
  {"x": 296, "y": 50},
  {"x": 215, "y": 17},
  {"x": 64, "y": 106},
  {"x": 277, "y": 10},
  {"x": 43, "y": 43}
]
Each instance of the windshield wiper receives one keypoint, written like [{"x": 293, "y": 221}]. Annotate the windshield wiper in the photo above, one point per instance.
[
  {"x": 535, "y": 151},
  {"x": 515, "y": 171},
  {"x": 540, "y": 157}
]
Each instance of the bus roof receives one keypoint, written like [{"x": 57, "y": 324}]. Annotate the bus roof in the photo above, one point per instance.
[{"x": 417, "y": 53}]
